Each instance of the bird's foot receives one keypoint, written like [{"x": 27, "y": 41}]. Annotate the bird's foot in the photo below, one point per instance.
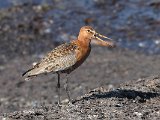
[{"x": 59, "y": 105}]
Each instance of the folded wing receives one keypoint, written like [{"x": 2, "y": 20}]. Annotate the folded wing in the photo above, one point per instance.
[{"x": 59, "y": 59}]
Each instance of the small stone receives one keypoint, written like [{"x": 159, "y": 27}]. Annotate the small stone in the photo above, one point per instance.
[{"x": 138, "y": 114}]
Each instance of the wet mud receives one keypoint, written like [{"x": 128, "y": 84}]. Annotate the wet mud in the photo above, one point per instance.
[{"x": 111, "y": 84}]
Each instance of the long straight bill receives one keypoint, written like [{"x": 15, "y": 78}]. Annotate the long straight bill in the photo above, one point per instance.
[
  {"x": 103, "y": 36},
  {"x": 101, "y": 42}
]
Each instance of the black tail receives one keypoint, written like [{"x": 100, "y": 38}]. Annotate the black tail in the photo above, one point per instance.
[{"x": 26, "y": 72}]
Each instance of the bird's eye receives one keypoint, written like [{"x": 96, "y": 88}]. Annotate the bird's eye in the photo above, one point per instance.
[{"x": 88, "y": 30}]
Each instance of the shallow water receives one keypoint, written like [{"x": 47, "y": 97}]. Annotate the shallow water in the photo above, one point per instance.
[{"x": 132, "y": 24}]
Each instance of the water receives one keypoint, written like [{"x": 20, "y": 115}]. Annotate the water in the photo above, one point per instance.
[
  {"x": 133, "y": 24},
  {"x": 10, "y": 3}
]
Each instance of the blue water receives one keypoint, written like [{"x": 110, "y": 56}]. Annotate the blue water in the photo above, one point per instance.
[
  {"x": 134, "y": 25},
  {"x": 9, "y": 3}
]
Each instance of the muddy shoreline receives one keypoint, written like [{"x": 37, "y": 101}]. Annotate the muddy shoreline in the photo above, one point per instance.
[
  {"x": 105, "y": 86},
  {"x": 132, "y": 100}
]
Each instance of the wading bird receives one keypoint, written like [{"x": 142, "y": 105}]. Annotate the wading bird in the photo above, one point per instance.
[{"x": 67, "y": 57}]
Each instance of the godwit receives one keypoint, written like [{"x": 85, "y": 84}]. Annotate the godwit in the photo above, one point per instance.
[{"x": 67, "y": 57}]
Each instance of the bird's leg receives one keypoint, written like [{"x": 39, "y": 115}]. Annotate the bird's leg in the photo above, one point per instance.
[
  {"x": 58, "y": 86},
  {"x": 66, "y": 88}
]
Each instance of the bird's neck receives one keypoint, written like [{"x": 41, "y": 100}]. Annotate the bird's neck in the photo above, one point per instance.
[{"x": 84, "y": 41}]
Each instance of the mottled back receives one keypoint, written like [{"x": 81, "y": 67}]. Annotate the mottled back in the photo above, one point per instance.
[{"x": 59, "y": 59}]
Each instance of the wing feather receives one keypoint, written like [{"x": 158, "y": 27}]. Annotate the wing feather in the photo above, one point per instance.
[{"x": 60, "y": 58}]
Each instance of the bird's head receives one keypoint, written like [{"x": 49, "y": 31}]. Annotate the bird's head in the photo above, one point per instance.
[{"x": 87, "y": 33}]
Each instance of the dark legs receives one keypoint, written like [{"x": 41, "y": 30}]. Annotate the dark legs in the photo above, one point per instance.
[
  {"x": 58, "y": 86},
  {"x": 66, "y": 88}
]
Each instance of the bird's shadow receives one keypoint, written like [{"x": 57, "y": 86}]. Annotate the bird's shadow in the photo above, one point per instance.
[{"x": 121, "y": 93}]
